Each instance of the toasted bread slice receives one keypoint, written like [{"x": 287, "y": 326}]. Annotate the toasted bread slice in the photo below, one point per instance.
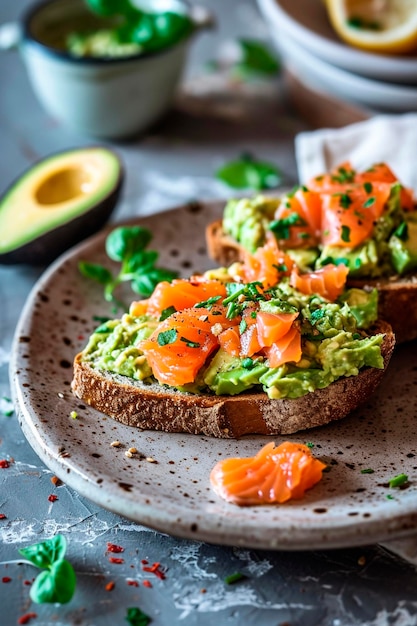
[
  {"x": 397, "y": 295},
  {"x": 157, "y": 407}
]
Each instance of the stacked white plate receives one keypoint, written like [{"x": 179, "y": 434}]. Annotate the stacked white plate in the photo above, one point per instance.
[{"x": 314, "y": 54}]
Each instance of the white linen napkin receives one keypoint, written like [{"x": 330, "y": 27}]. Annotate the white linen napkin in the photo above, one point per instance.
[{"x": 388, "y": 138}]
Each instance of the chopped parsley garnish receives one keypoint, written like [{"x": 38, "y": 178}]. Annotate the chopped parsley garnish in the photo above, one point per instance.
[
  {"x": 345, "y": 235},
  {"x": 330, "y": 260},
  {"x": 243, "y": 326},
  {"x": 369, "y": 202},
  {"x": 281, "y": 228},
  {"x": 398, "y": 481},
  {"x": 249, "y": 292},
  {"x": 367, "y": 471},
  {"x": 234, "y": 578},
  {"x": 281, "y": 268},
  {"x": 253, "y": 314},
  {"x": 189, "y": 343},
  {"x": 343, "y": 176},
  {"x": 402, "y": 231},
  {"x": 345, "y": 200},
  {"x": 207, "y": 304},
  {"x": 166, "y": 337},
  {"x": 248, "y": 363},
  {"x": 368, "y": 187},
  {"x": 310, "y": 445},
  {"x": 317, "y": 315},
  {"x": 167, "y": 313}
]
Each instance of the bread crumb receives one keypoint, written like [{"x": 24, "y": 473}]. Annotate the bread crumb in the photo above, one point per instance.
[
  {"x": 361, "y": 560},
  {"x": 150, "y": 459},
  {"x": 133, "y": 450},
  {"x": 115, "y": 444},
  {"x": 128, "y": 454},
  {"x": 60, "y": 395}
]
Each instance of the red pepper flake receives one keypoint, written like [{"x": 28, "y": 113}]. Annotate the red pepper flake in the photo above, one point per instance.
[
  {"x": 110, "y": 586},
  {"x": 4, "y": 464},
  {"x": 28, "y": 582},
  {"x": 132, "y": 583},
  {"x": 144, "y": 562},
  {"x": 2, "y": 516},
  {"x": 25, "y": 619},
  {"x": 112, "y": 547},
  {"x": 155, "y": 569},
  {"x": 80, "y": 337},
  {"x": 112, "y": 559},
  {"x": 52, "y": 497},
  {"x": 147, "y": 583},
  {"x": 6, "y": 579},
  {"x": 56, "y": 481}
]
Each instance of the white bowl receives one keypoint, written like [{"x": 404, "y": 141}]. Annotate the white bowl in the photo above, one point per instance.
[
  {"x": 306, "y": 22},
  {"x": 322, "y": 76},
  {"x": 103, "y": 97}
]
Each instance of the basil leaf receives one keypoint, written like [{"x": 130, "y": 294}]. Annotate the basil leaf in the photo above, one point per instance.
[
  {"x": 44, "y": 554},
  {"x": 54, "y": 585},
  {"x": 345, "y": 236},
  {"x": 124, "y": 241},
  {"x": 256, "y": 59},
  {"x": 248, "y": 173},
  {"x": 96, "y": 272}
]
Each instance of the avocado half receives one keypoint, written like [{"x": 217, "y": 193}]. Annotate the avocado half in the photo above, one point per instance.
[{"x": 58, "y": 202}]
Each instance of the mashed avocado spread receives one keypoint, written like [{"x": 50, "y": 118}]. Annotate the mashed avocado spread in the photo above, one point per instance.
[
  {"x": 333, "y": 339},
  {"x": 391, "y": 248}
]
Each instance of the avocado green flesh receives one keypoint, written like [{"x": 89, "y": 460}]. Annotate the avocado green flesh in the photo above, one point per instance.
[
  {"x": 404, "y": 250},
  {"x": 332, "y": 346},
  {"x": 56, "y": 191},
  {"x": 246, "y": 221}
]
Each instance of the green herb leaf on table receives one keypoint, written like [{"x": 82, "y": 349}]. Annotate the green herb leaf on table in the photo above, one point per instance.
[
  {"x": 248, "y": 173},
  {"x": 57, "y": 582},
  {"x": 256, "y": 59},
  {"x": 127, "y": 245},
  {"x": 136, "y": 617}
]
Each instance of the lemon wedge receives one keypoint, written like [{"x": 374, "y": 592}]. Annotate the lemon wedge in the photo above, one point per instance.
[{"x": 385, "y": 26}]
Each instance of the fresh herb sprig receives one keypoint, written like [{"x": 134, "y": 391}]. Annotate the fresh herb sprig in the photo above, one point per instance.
[
  {"x": 249, "y": 173},
  {"x": 56, "y": 583},
  {"x": 127, "y": 245},
  {"x": 151, "y": 29},
  {"x": 256, "y": 59}
]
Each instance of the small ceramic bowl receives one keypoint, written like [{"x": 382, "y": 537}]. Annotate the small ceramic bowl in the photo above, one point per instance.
[{"x": 104, "y": 97}]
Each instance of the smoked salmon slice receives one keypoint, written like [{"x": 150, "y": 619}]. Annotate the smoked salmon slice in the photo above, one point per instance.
[
  {"x": 328, "y": 282},
  {"x": 297, "y": 220},
  {"x": 267, "y": 265},
  {"x": 179, "y": 294},
  {"x": 181, "y": 344},
  {"x": 273, "y": 475}
]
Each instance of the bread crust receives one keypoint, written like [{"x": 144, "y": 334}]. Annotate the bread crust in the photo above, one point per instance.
[
  {"x": 397, "y": 303},
  {"x": 156, "y": 407}
]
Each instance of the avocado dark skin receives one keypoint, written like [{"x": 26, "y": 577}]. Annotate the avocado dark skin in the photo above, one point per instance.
[{"x": 47, "y": 246}]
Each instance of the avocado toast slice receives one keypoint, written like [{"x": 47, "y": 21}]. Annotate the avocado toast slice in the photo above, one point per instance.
[
  {"x": 238, "y": 351},
  {"x": 366, "y": 221}
]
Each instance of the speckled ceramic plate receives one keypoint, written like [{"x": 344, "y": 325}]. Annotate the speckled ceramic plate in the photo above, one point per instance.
[{"x": 173, "y": 494}]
